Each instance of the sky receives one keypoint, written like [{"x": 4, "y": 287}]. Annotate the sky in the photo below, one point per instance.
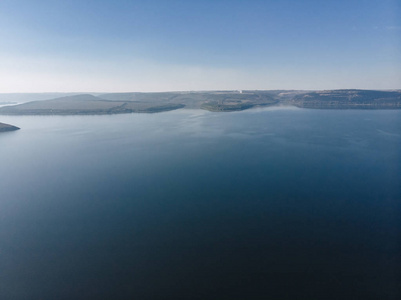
[{"x": 155, "y": 45}]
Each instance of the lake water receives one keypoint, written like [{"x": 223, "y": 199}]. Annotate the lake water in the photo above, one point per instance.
[{"x": 261, "y": 204}]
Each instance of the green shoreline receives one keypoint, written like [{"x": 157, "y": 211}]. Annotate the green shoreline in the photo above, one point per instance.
[{"x": 214, "y": 101}]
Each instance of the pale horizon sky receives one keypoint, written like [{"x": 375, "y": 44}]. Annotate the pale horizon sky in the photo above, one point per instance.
[{"x": 154, "y": 46}]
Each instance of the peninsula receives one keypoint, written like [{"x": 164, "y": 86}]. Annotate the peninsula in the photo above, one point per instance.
[
  {"x": 216, "y": 101},
  {"x": 7, "y": 127}
]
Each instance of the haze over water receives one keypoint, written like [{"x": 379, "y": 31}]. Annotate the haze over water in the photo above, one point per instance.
[{"x": 258, "y": 204}]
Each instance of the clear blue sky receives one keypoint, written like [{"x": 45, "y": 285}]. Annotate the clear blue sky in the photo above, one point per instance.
[{"x": 121, "y": 45}]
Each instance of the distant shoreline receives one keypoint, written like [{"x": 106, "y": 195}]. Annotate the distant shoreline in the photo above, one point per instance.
[{"x": 215, "y": 101}]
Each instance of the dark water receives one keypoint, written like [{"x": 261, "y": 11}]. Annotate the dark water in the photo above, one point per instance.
[{"x": 261, "y": 204}]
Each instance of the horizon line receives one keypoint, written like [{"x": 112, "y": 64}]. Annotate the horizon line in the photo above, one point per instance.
[{"x": 198, "y": 91}]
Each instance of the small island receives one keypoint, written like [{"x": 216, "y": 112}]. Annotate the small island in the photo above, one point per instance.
[{"x": 7, "y": 127}]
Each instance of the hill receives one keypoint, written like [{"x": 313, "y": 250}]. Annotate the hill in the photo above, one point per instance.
[
  {"x": 28, "y": 97},
  {"x": 217, "y": 101},
  {"x": 142, "y": 102},
  {"x": 84, "y": 104},
  {"x": 345, "y": 99}
]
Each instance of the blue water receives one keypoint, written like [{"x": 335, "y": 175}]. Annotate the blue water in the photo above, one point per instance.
[{"x": 260, "y": 204}]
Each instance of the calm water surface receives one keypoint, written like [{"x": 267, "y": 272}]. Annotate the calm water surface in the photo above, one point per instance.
[{"x": 260, "y": 204}]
